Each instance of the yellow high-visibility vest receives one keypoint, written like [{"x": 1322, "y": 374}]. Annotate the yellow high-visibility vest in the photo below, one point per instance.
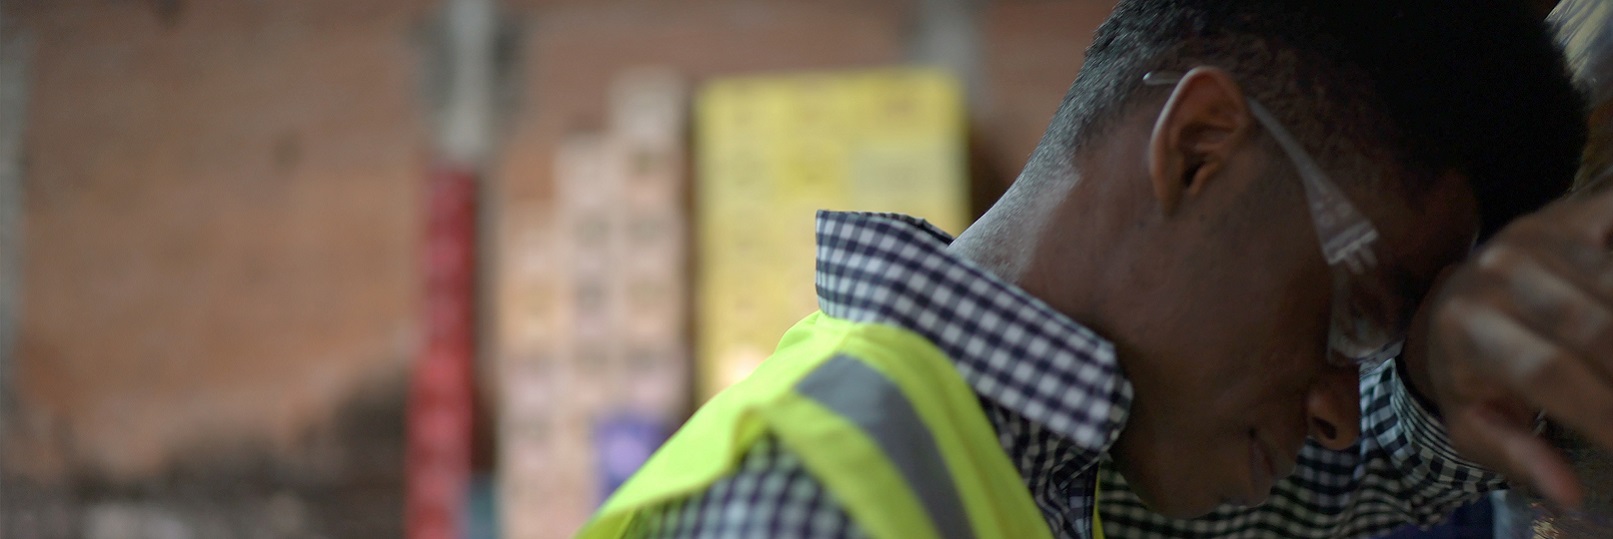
[{"x": 876, "y": 413}]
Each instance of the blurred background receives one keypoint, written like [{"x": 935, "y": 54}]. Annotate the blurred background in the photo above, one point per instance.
[
  {"x": 310, "y": 268},
  {"x": 347, "y": 268}
]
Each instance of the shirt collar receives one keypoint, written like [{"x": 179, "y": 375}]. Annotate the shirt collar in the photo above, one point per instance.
[{"x": 1011, "y": 348}]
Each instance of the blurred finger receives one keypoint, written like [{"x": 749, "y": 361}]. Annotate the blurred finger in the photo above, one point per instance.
[
  {"x": 1516, "y": 452},
  {"x": 1581, "y": 254},
  {"x": 1562, "y": 309},
  {"x": 1544, "y": 373}
]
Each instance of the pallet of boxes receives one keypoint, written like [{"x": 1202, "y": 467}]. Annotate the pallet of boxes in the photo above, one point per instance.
[
  {"x": 594, "y": 297},
  {"x": 594, "y": 351}
]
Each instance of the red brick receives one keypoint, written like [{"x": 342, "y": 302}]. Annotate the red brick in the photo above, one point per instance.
[{"x": 221, "y": 222}]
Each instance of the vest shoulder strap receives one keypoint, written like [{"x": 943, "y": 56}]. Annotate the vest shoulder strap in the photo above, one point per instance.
[
  {"x": 877, "y": 414},
  {"x": 906, "y": 397}
]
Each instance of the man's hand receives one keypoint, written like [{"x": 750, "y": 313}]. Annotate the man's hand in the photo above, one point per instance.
[{"x": 1524, "y": 326}]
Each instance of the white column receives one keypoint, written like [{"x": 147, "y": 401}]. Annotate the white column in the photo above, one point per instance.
[{"x": 14, "y": 53}]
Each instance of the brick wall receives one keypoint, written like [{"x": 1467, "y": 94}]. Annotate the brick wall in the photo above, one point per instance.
[
  {"x": 221, "y": 221},
  {"x": 222, "y": 206},
  {"x": 218, "y": 265}
]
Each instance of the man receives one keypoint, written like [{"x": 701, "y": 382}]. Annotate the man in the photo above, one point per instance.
[{"x": 1191, "y": 292}]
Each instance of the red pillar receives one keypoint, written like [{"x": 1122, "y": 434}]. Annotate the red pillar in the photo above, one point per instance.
[{"x": 442, "y": 390}]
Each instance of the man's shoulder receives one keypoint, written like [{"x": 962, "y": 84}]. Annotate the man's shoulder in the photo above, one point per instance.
[{"x": 770, "y": 493}]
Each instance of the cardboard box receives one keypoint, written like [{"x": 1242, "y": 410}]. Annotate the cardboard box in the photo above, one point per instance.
[
  {"x": 772, "y": 150},
  {"x": 596, "y": 369}
]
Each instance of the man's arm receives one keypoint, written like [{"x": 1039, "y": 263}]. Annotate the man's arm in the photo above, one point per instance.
[
  {"x": 1526, "y": 326},
  {"x": 769, "y": 495}
]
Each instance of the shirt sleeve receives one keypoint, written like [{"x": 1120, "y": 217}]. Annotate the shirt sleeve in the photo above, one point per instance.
[
  {"x": 1401, "y": 471},
  {"x": 1419, "y": 465},
  {"x": 771, "y": 494}
]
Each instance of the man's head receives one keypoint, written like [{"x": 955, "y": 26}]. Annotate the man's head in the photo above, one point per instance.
[{"x": 1182, "y": 232}]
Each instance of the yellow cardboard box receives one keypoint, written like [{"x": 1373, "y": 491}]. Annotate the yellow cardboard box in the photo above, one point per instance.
[{"x": 771, "y": 151}]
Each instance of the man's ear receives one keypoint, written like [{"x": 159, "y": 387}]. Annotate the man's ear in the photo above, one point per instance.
[{"x": 1203, "y": 122}]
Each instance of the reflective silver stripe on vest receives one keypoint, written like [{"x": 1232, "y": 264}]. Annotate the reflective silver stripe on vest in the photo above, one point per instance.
[{"x": 865, "y": 397}]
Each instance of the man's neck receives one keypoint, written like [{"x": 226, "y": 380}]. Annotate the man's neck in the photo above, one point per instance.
[{"x": 1043, "y": 237}]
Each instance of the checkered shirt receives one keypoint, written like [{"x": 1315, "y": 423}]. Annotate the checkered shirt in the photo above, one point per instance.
[{"x": 1053, "y": 391}]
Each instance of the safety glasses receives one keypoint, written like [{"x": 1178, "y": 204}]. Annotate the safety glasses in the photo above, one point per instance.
[{"x": 1369, "y": 315}]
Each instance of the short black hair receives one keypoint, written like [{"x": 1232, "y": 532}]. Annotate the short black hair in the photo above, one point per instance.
[{"x": 1478, "y": 86}]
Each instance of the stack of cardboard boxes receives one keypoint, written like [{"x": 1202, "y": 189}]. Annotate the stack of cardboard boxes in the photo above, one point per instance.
[
  {"x": 594, "y": 336},
  {"x": 594, "y": 294}
]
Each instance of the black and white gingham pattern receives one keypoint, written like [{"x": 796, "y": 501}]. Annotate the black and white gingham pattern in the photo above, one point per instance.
[
  {"x": 770, "y": 495},
  {"x": 1053, "y": 391},
  {"x": 1011, "y": 348},
  {"x": 1401, "y": 471},
  {"x": 1057, "y": 474}
]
